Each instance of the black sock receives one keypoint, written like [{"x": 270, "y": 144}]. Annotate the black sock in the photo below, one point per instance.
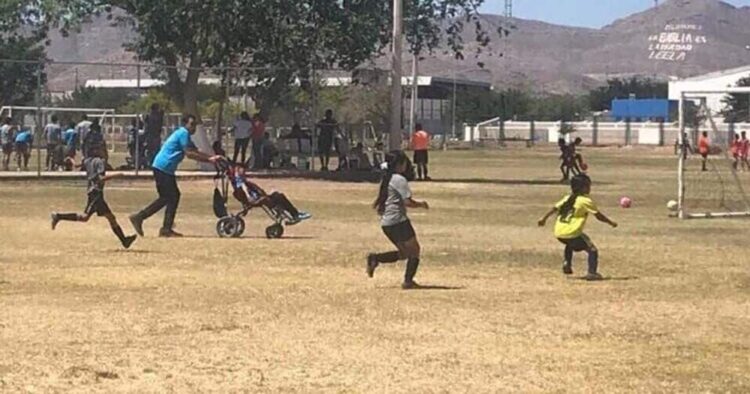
[
  {"x": 388, "y": 257},
  {"x": 568, "y": 255},
  {"x": 118, "y": 232},
  {"x": 593, "y": 261},
  {"x": 411, "y": 269},
  {"x": 425, "y": 171},
  {"x": 71, "y": 217}
]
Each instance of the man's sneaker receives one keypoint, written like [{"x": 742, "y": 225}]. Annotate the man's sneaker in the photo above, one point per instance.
[
  {"x": 428, "y": 179},
  {"x": 128, "y": 241},
  {"x": 567, "y": 268},
  {"x": 372, "y": 263},
  {"x": 169, "y": 233},
  {"x": 55, "y": 219},
  {"x": 137, "y": 223},
  {"x": 410, "y": 285},
  {"x": 594, "y": 276}
]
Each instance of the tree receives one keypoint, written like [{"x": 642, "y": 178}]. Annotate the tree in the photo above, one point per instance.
[
  {"x": 737, "y": 106},
  {"x": 474, "y": 106},
  {"x": 275, "y": 42},
  {"x": 22, "y": 39},
  {"x": 601, "y": 99}
]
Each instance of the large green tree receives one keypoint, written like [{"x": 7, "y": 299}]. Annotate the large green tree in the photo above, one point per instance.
[{"x": 21, "y": 38}]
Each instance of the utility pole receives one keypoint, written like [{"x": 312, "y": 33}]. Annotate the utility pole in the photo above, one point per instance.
[{"x": 394, "y": 141}]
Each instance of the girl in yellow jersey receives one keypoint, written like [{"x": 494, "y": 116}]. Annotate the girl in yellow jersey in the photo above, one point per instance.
[{"x": 572, "y": 212}]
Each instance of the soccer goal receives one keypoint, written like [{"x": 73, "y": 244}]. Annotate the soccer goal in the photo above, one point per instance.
[{"x": 715, "y": 188}]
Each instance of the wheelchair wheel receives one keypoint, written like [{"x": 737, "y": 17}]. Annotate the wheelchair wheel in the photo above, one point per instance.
[
  {"x": 240, "y": 228},
  {"x": 274, "y": 231},
  {"x": 226, "y": 227}
]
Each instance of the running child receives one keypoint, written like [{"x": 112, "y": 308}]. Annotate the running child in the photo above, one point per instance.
[
  {"x": 24, "y": 142},
  {"x": 745, "y": 151},
  {"x": 572, "y": 212},
  {"x": 734, "y": 149},
  {"x": 568, "y": 159},
  {"x": 704, "y": 148},
  {"x": 96, "y": 175},
  {"x": 393, "y": 199},
  {"x": 7, "y": 138},
  {"x": 251, "y": 194},
  {"x": 420, "y": 142}
]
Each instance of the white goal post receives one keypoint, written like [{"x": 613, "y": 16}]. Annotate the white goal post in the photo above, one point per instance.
[{"x": 718, "y": 177}]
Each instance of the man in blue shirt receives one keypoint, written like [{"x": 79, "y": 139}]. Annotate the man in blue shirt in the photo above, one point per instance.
[
  {"x": 165, "y": 164},
  {"x": 24, "y": 142}
]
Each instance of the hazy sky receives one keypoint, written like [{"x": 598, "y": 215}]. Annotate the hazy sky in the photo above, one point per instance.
[{"x": 569, "y": 12}]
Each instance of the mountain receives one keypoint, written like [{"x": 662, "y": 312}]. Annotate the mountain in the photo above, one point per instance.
[{"x": 678, "y": 38}]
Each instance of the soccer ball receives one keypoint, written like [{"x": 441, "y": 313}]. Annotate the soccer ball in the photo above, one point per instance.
[
  {"x": 626, "y": 202},
  {"x": 672, "y": 205}
]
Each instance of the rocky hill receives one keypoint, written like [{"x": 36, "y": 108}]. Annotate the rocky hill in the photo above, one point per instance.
[{"x": 679, "y": 38}]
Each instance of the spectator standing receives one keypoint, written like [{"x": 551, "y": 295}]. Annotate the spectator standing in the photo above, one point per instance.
[
  {"x": 53, "y": 138},
  {"x": 242, "y": 127},
  {"x": 154, "y": 123},
  {"x": 259, "y": 131}
]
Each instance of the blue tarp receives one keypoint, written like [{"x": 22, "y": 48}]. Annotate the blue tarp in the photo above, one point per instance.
[{"x": 641, "y": 109}]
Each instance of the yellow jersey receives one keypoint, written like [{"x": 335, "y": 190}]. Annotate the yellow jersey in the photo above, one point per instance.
[{"x": 571, "y": 226}]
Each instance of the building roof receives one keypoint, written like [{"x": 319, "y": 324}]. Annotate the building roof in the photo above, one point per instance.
[{"x": 718, "y": 74}]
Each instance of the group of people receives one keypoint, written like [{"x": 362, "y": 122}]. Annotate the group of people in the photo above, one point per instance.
[
  {"x": 61, "y": 142},
  {"x": 739, "y": 149}
]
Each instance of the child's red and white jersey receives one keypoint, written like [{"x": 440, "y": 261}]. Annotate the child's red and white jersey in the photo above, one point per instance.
[
  {"x": 703, "y": 145},
  {"x": 735, "y": 148},
  {"x": 744, "y": 147}
]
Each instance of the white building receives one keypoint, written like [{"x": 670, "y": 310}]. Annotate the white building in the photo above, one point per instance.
[{"x": 713, "y": 81}]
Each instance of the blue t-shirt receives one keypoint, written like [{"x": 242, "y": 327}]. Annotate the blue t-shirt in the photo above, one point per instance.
[
  {"x": 71, "y": 138},
  {"x": 173, "y": 151},
  {"x": 24, "y": 137}
]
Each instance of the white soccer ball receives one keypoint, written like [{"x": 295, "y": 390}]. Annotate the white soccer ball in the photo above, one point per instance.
[{"x": 672, "y": 205}]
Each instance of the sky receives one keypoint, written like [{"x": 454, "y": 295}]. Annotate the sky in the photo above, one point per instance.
[{"x": 597, "y": 13}]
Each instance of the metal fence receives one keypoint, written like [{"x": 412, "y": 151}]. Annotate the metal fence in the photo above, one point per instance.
[{"x": 495, "y": 132}]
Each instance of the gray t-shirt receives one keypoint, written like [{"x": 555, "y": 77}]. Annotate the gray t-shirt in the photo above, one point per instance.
[
  {"x": 242, "y": 128},
  {"x": 83, "y": 128},
  {"x": 395, "y": 204},
  {"x": 95, "y": 170},
  {"x": 53, "y": 134}
]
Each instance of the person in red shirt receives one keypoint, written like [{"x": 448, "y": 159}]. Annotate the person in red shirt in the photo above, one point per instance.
[
  {"x": 258, "y": 132},
  {"x": 704, "y": 146},
  {"x": 744, "y": 151},
  {"x": 734, "y": 149},
  {"x": 420, "y": 143}
]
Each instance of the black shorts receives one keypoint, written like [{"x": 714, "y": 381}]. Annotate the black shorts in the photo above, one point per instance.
[
  {"x": 325, "y": 145},
  {"x": 580, "y": 243},
  {"x": 421, "y": 157},
  {"x": 400, "y": 232},
  {"x": 22, "y": 147},
  {"x": 8, "y": 148},
  {"x": 96, "y": 204}
]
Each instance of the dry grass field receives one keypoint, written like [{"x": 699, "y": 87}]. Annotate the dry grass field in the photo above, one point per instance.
[{"x": 203, "y": 314}]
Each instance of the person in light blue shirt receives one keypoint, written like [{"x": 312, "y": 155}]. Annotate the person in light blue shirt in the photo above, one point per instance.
[
  {"x": 165, "y": 164},
  {"x": 24, "y": 141}
]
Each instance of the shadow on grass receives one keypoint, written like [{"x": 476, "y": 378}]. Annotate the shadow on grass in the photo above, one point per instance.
[
  {"x": 132, "y": 251},
  {"x": 425, "y": 287},
  {"x": 607, "y": 278},
  {"x": 293, "y": 237},
  {"x": 525, "y": 182}
]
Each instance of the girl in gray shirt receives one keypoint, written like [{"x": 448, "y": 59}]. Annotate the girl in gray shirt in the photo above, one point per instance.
[{"x": 393, "y": 199}]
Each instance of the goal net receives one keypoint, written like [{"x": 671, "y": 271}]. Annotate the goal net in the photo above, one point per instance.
[{"x": 715, "y": 186}]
